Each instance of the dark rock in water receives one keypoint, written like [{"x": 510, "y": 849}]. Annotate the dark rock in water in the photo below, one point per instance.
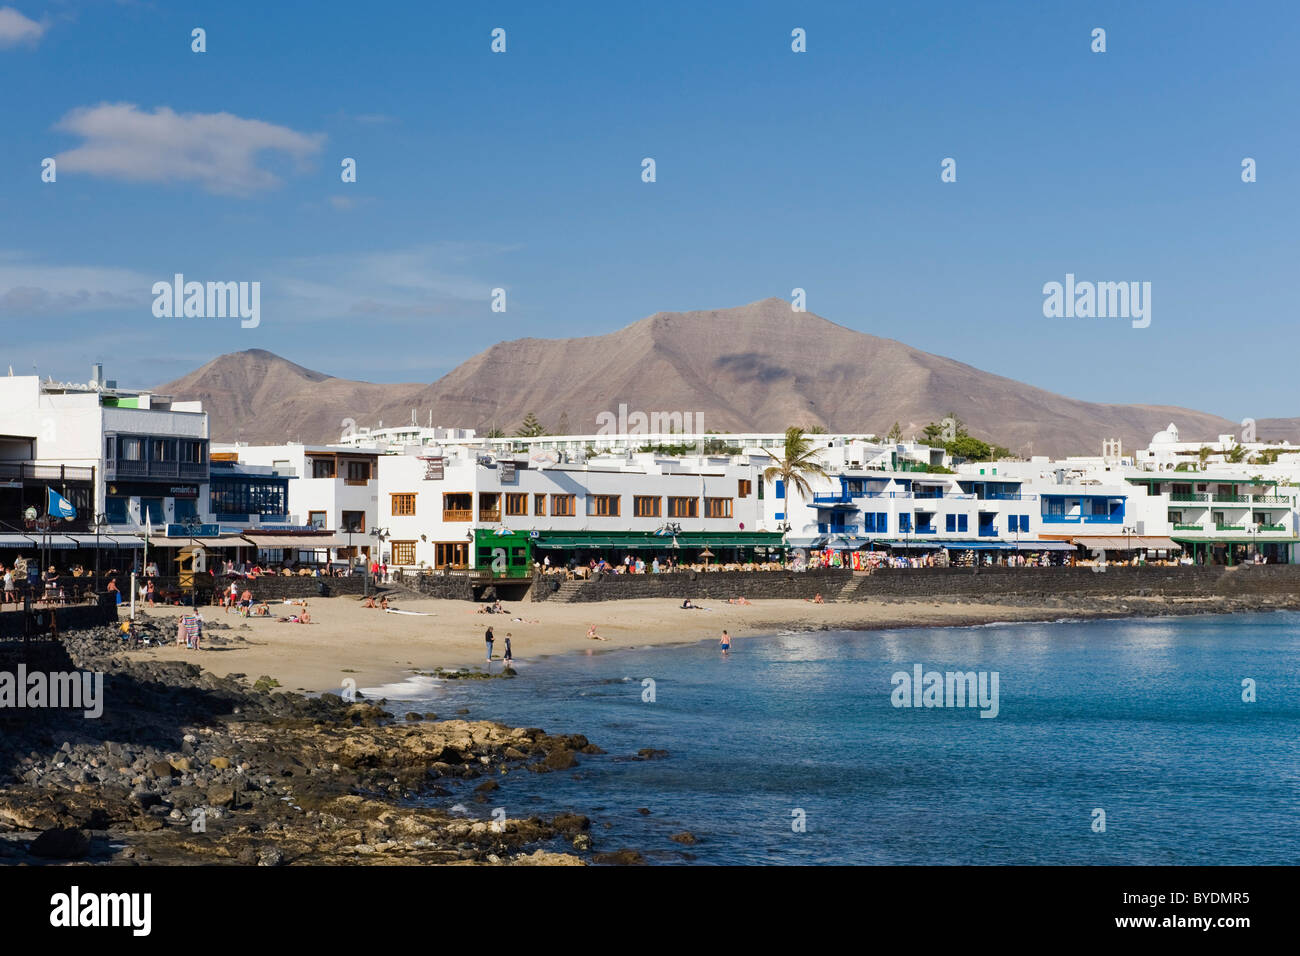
[
  {"x": 61, "y": 844},
  {"x": 592, "y": 749},
  {"x": 582, "y": 842},
  {"x": 463, "y": 710},
  {"x": 487, "y": 785},
  {"x": 685, "y": 838},
  {"x": 509, "y": 672},
  {"x": 620, "y": 858},
  {"x": 412, "y": 715},
  {"x": 649, "y": 753},
  {"x": 559, "y": 759},
  {"x": 644, "y": 811},
  {"x": 568, "y": 823},
  {"x": 430, "y": 716}
]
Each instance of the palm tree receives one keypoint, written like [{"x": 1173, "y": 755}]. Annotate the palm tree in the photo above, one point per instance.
[{"x": 796, "y": 466}]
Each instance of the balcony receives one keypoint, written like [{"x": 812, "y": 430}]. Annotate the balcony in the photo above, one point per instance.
[
  {"x": 17, "y": 471},
  {"x": 1188, "y": 527},
  {"x": 493, "y": 516},
  {"x": 127, "y": 468},
  {"x": 458, "y": 514},
  {"x": 1189, "y": 497},
  {"x": 1270, "y": 527},
  {"x": 1231, "y": 527},
  {"x": 1009, "y": 496},
  {"x": 1271, "y": 500},
  {"x": 1231, "y": 499}
]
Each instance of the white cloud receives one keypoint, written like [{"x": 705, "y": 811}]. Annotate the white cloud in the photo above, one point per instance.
[
  {"x": 16, "y": 28},
  {"x": 429, "y": 281},
  {"x": 32, "y": 289},
  {"x": 219, "y": 151}
]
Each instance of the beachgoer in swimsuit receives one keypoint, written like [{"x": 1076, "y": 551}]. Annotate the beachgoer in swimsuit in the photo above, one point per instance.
[{"x": 725, "y": 641}]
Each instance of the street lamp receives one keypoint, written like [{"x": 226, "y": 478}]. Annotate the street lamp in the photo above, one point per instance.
[
  {"x": 380, "y": 534},
  {"x": 99, "y": 522}
]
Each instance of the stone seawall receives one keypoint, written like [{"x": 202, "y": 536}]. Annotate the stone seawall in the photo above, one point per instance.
[
  {"x": 453, "y": 587},
  {"x": 712, "y": 585},
  {"x": 973, "y": 584},
  {"x": 992, "y": 583}
]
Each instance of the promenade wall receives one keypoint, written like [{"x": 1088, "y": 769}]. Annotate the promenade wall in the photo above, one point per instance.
[{"x": 974, "y": 584}]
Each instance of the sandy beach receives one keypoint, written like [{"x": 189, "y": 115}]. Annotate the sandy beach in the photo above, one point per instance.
[{"x": 374, "y": 647}]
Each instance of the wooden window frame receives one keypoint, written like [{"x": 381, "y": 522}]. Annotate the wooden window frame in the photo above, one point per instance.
[
  {"x": 564, "y": 506},
  {"x": 594, "y": 503},
  {"x": 539, "y": 503},
  {"x": 728, "y": 507},
  {"x": 404, "y": 549},
  {"x": 516, "y": 504},
  {"x": 639, "y": 500},
  {"x": 693, "y": 510},
  {"x": 405, "y": 496},
  {"x": 458, "y": 514}
]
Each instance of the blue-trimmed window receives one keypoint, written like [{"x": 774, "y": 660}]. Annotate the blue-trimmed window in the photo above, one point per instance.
[
  {"x": 949, "y": 522},
  {"x": 1024, "y": 523},
  {"x": 962, "y": 523},
  {"x": 905, "y": 523},
  {"x": 780, "y": 488}
]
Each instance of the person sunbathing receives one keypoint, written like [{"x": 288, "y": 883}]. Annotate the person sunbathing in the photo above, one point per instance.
[
  {"x": 739, "y": 600},
  {"x": 592, "y": 635},
  {"x": 370, "y": 602},
  {"x": 383, "y": 603}
]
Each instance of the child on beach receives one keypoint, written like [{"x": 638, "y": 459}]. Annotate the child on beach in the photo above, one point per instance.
[
  {"x": 508, "y": 656},
  {"x": 591, "y": 633},
  {"x": 725, "y": 642}
]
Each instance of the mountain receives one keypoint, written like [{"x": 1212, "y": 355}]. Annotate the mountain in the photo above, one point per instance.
[{"x": 759, "y": 367}]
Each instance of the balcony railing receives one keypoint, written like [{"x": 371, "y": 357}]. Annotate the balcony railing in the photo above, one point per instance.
[
  {"x": 494, "y": 515},
  {"x": 457, "y": 514},
  {"x": 1010, "y": 496},
  {"x": 1231, "y": 499},
  {"x": 1189, "y": 497},
  {"x": 1270, "y": 500},
  {"x": 1188, "y": 527},
  {"x": 17, "y": 471},
  {"x": 1230, "y": 527},
  {"x": 1270, "y": 527},
  {"x": 127, "y": 468}
]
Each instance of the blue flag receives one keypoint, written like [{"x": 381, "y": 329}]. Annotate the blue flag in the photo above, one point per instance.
[{"x": 60, "y": 505}]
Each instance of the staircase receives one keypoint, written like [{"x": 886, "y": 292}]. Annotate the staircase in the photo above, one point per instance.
[
  {"x": 855, "y": 581},
  {"x": 568, "y": 591}
]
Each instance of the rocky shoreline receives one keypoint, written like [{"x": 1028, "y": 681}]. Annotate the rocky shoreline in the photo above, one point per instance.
[{"x": 185, "y": 767}]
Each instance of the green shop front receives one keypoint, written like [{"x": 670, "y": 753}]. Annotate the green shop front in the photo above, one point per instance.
[{"x": 512, "y": 553}]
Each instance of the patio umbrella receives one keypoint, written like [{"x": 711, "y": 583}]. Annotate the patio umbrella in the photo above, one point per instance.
[{"x": 706, "y": 554}]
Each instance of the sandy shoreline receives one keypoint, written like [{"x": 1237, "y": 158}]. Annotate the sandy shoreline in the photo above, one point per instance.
[{"x": 373, "y": 647}]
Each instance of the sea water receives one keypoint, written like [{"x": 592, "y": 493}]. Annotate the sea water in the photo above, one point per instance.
[{"x": 1115, "y": 742}]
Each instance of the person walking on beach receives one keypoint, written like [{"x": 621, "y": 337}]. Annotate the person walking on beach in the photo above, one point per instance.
[
  {"x": 509, "y": 657},
  {"x": 488, "y": 638},
  {"x": 725, "y": 641}
]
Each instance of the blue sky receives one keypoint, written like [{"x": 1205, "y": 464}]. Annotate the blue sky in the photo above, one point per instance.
[{"x": 775, "y": 170}]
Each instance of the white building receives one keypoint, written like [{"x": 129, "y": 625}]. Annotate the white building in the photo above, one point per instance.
[
  {"x": 332, "y": 488},
  {"x": 124, "y": 455}
]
